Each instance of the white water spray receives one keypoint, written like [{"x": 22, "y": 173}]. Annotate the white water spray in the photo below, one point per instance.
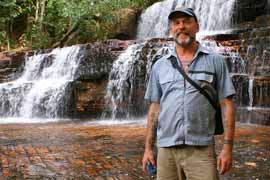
[
  {"x": 213, "y": 16},
  {"x": 121, "y": 80},
  {"x": 250, "y": 92},
  {"x": 40, "y": 91}
]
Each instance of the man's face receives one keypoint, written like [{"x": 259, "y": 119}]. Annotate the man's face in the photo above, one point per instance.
[{"x": 183, "y": 29}]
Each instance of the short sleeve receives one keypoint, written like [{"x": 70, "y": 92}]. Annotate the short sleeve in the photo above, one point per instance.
[
  {"x": 153, "y": 91},
  {"x": 224, "y": 83}
]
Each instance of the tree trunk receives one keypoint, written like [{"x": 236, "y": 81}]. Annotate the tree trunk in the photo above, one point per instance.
[
  {"x": 37, "y": 10},
  {"x": 42, "y": 12},
  {"x": 29, "y": 30},
  {"x": 68, "y": 36},
  {"x": 8, "y": 34},
  {"x": 8, "y": 43}
]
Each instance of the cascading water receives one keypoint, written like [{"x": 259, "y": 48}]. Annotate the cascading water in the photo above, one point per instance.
[
  {"x": 250, "y": 92},
  {"x": 236, "y": 64},
  {"x": 214, "y": 16},
  {"x": 41, "y": 90},
  {"x": 154, "y": 23},
  {"x": 127, "y": 78},
  {"x": 121, "y": 81}
]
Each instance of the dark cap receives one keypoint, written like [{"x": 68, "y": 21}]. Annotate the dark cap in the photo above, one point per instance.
[{"x": 187, "y": 11}]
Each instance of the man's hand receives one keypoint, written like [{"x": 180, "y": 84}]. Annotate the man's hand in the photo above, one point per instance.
[
  {"x": 224, "y": 161},
  {"x": 148, "y": 155}
]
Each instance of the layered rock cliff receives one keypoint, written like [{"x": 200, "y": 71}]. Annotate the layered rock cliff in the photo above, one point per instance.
[{"x": 251, "y": 38}]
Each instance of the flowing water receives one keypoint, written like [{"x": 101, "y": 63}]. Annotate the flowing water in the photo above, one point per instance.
[
  {"x": 250, "y": 92},
  {"x": 128, "y": 76},
  {"x": 41, "y": 91},
  {"x": 154, "y": 23},
  {"x": 214, "y": 16},
  {"x": 122, "y": 80},
  {"x": 44, "y": 87}
]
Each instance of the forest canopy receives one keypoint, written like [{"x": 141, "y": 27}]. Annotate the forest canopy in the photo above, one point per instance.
[{"x": 35, "y": 24}]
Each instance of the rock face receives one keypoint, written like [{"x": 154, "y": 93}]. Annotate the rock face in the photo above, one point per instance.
[
  {"x": 126, "y": 26},
  {"x": 249, "y": 10},
  {"x": 89, "y": 89},
  {"x": 250, "y": 71},
  {"x": 11, "y": 64},
  {"x": 129, "y": 75},
  {"x": 84, "y": 96}
]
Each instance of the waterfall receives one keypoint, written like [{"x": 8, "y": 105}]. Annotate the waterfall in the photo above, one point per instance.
[
  {"x": 41, "y": 90},
  {"x": 236, "y": 64},
  {"x": 213, "y": 16},
  {"x": 132, "y": 67},
  {"x": 153, "y": 21},
  {"x": 126, "y": 85},
  {"x": 121, "y": 81},
  {"x": 250, "y": 92}
]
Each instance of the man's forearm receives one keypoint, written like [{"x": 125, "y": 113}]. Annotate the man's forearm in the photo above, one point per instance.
[
  {"x": 152, "y": 123},
  {"x": 229, "y": 123}
]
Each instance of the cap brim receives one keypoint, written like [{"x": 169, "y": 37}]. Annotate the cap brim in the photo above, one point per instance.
[{"x": 173, "y": 13}]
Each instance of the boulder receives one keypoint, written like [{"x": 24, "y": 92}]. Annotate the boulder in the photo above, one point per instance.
[
  {"x": 262, "y": 21},
  {"x": 248, "y": 10},
  {"x": 126, "y": 26}
]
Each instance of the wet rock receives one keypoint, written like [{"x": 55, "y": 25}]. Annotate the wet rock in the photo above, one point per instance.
[
  {"x": 262, "y": 21},
  {"x": 96, "y": 62},
  {"x": 4, "y": 63},
  {"x": 241, "y": 84},
  {"x": 81, "y": 151},
  {"x": 89, "y": 98},
  {"x": 248, "y": 10},
  {"x": 126, "y": 25}
]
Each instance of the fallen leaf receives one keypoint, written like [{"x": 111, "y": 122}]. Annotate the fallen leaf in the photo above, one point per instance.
[
  {"x": 255, "y": 141},
  {"x": 253, "y": 164}
]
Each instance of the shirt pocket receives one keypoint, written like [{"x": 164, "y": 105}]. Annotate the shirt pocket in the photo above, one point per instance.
[
  {"x": 206, "y": 81},
  {"x": 203, "y": 80},
  {"x": 166, "y": 78},
  {"x": 203, "y": 77},
  {"x": 170, "y": 81}
]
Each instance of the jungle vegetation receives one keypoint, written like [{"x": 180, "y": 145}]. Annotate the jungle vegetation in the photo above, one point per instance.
[{"x": 35, "y": 24}]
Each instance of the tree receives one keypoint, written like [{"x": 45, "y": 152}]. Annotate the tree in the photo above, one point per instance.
[
  {"x": 60, "y": 22},
  {"x": 10, "y": 10},
  {"x": 40, "y": 12}
]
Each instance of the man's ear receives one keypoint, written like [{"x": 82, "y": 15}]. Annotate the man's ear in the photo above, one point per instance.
[
  {"x": 170, "y": 31},
  {"x": 170, "y": 28},
  {"x": 197, "y": 27}
]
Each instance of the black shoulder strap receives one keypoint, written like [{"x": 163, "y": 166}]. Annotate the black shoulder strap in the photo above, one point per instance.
[{"x": 193, "y": 83}]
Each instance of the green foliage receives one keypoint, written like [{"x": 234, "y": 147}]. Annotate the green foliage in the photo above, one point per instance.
[
  {"x": 95, "y": 19},
  {"x": 2, "y": 40},
  {"x": 40, "y": 40},
  {"x": 10, "y": 10}
]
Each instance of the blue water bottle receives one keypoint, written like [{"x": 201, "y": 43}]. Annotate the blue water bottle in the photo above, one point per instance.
[{"x": 151, "y": 170}]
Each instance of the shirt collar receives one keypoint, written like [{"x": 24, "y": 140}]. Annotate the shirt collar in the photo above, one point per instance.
[{"x": 201, "y": 49}]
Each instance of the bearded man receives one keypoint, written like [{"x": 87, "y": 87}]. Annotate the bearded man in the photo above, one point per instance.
[{"x": 180, "y": 117}]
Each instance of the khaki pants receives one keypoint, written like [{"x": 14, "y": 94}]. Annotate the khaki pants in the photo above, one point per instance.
[{"x": 187, "y": 163}]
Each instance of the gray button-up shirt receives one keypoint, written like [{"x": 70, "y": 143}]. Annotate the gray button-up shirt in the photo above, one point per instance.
[{"x": 186, "y": 116}]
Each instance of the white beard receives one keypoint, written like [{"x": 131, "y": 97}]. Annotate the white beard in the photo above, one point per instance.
[{"x": 183, "y": 42}]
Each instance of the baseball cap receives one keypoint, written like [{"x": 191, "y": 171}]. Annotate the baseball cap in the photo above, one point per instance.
[{"x": 187, "y": 11}]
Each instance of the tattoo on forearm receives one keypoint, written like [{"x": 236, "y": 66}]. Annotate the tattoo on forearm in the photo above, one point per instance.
[
  {"x": 153, "y": 129},
  {"x": 229, "y": 123},
  {"x": 225, "y": 124}
]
